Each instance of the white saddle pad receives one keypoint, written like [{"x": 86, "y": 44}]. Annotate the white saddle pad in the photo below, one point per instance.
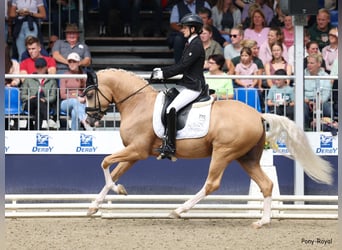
[{"x": 196, "y": 126}]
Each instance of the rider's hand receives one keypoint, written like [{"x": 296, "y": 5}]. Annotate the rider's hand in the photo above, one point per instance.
[{"x": 157, "y": 73}]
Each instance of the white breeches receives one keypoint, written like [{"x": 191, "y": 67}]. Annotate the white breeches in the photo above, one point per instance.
[{"x": 184, "y": 97}]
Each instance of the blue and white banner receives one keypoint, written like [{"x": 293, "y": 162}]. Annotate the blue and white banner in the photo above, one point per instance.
[{"x": 108, "y": 142}]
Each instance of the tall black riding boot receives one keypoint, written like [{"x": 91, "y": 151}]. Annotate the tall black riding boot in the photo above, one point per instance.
[{"x": 168, "y": 149}]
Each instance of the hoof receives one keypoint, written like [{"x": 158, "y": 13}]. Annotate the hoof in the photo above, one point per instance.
[
  {"x": 174, "y": 215},
  {"x": 92, "y": 211},
  {"x": 259, "y": 224},
  {"x": 122, "y": 190}
]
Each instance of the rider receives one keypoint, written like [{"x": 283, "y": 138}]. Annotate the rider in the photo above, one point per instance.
[{"x": 192, "y": 82}]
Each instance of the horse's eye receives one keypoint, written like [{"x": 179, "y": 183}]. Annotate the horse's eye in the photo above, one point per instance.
[{"x": 89, "y": 95}]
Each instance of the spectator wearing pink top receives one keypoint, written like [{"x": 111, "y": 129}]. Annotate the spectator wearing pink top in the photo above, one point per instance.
[
  {"x": 257, "y": 30},
  {"x": 288, "y": 32},
  {"x": 246, "y": 67},
  {"x": 265, "y": 9},
  {"x": 274, "y": 35},
  {"x": 330, "y": 52}
]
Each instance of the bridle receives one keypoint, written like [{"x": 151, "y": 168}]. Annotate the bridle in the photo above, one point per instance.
[{"x": 96, "y": 112}]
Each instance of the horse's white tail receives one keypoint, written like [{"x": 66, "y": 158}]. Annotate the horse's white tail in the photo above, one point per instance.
[{"x": 282, "y": 128}]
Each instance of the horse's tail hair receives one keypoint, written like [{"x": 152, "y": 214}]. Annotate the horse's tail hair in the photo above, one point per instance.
[{"x": 285, "y": 130}]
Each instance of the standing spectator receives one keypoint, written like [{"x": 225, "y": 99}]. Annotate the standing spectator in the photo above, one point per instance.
[
  {"x": 319, "y": 31},
  {"x": 241, "y": 3},
  {"x": 330, "y": 51},
  {"x": 223, "y": 87},
  {"x": 27, "y": 15},
  {"x": 265, "y": 9},
  {"x": 11, "y": 67},
  {"x": 280, "y": 98},
  {"x": 274, "y": 35},
  {"x": 63, "y": 12},
  {"x": 70, "y": 90},
  {"x": 105, "y": 6},
  {"x": 210, "y": 46},
  {"x": 312, "y": 86},
  {"x": 27, "y": 66},
  {"x": 288, "y": 31},
  {"x": 225, "y": 16},
  {"x": 233, "y": 49},
  {"x": 39, "y": 95},
  {"x": 257, "y": 30},
  {"x": 63, "y": 48},
  {"x": 246, "y": 66},
  {"x": 277, "y": 62},
  {"x": 176, "y": 38},
  {"x": 156, "y": 21}
]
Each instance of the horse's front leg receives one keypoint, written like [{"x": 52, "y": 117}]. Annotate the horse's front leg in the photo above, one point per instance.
[{"x": 110, "y": 184}]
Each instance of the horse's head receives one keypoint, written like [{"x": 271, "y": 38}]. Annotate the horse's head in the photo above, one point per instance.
[{"x": 96, "y": 101}]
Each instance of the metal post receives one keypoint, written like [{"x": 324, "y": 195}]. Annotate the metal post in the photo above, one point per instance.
[
  {"x": 299, "y": 22},
  {"x": 318, "y": 110}
]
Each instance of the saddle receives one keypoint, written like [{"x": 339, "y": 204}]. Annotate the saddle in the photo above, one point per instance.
[{"x": 182, "y": 114}]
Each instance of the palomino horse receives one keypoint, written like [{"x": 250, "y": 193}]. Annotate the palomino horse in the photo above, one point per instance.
[{"x": 236, "y": 132}]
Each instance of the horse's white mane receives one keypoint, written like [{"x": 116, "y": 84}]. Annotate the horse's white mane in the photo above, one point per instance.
[{"x": 122, "y": 70}]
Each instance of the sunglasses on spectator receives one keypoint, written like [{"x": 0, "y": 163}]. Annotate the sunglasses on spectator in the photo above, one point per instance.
[
  {"x": 211, "y": 62},
  {"x": 72, "y": 61},
  {"x": 233, "y": 35},
  {"x": 332, "y": 35}
]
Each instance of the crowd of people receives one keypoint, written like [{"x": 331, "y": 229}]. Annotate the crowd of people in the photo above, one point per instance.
[{"x": 239, "y": 37}]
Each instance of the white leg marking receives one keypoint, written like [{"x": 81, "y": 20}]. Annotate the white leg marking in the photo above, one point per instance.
[
  {"x": 266, "y": 215},
  {"x": 191, "y": 202}
]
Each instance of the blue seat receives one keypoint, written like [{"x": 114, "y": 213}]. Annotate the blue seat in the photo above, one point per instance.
[
  {"x": 12, "y": 101},
  {"x": 249, "y": 96},
  {"x": 334, "y": 18}
]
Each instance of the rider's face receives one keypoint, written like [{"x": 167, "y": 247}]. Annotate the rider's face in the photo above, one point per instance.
[{"x": 186, "y": 31}]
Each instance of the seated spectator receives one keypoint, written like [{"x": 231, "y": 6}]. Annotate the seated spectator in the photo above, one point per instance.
[
  {"x": 274, "y": 35},
  {"x": 257, "y": 30},
  {"x": 225, "y": 16},
  {"x": 157, "y": 19},
  {"x": 11, "y": 67},
  {"x": 246, "y": 66},
  {"x": 313, "y": 48},
  {"x": 39, "y": 95},
  {"x": 255, "y": 53},
  {"x": 319, "y": 31},
  {"x": 277, "y": 62},
  {"x": 63, "y": 48},
  {"x": 175, "y": 39},
  {"x": 311, "y": 89},
  {"x": 278, "y": 19},
  {"x": 210, "y": 46},
  {"x": 280, "y": 98},
  {"x": 233, "y": 49},
  {"x": 70, "y": 90},
  {"x": 52, "y": 40},
  {"x": 223, "y": 87},
  {"x": 288, "y": 31},
  {"x": 205, "y": 14},
  {"x": 33, "y": 47},
  {"x": 27, "y": 15},
  {"x": 330, "y": 51},
  {"x": 265, "y": 9},
  {"x": 334, "y": 72}
]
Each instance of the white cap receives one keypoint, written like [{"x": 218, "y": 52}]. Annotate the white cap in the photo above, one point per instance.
[{"x": 74, "y": 56}]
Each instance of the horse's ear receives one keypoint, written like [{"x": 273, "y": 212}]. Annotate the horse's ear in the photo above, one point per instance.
[{"x": 91, "y": 78}]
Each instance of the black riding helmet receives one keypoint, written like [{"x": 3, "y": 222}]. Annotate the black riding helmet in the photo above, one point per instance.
[{"x": 192, "y": 20}]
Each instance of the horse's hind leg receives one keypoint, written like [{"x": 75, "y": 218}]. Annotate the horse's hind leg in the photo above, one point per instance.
[
  {"x": 252, "y": 167},
  {"x": 217, "y": 166}
]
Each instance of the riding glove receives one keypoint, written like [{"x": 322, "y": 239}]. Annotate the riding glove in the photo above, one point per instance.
[{"x": 157, "y": 73}]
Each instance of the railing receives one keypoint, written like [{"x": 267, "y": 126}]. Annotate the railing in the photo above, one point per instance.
[
  {"x": 112, "y": 119},
  {"x": 159, "y": 206}
]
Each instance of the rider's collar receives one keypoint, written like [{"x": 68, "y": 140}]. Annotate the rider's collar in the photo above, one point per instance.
[{"x": 192, "y": 37}]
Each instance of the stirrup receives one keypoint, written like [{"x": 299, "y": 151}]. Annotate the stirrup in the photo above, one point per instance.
[{"x": 165, "y": 151}]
